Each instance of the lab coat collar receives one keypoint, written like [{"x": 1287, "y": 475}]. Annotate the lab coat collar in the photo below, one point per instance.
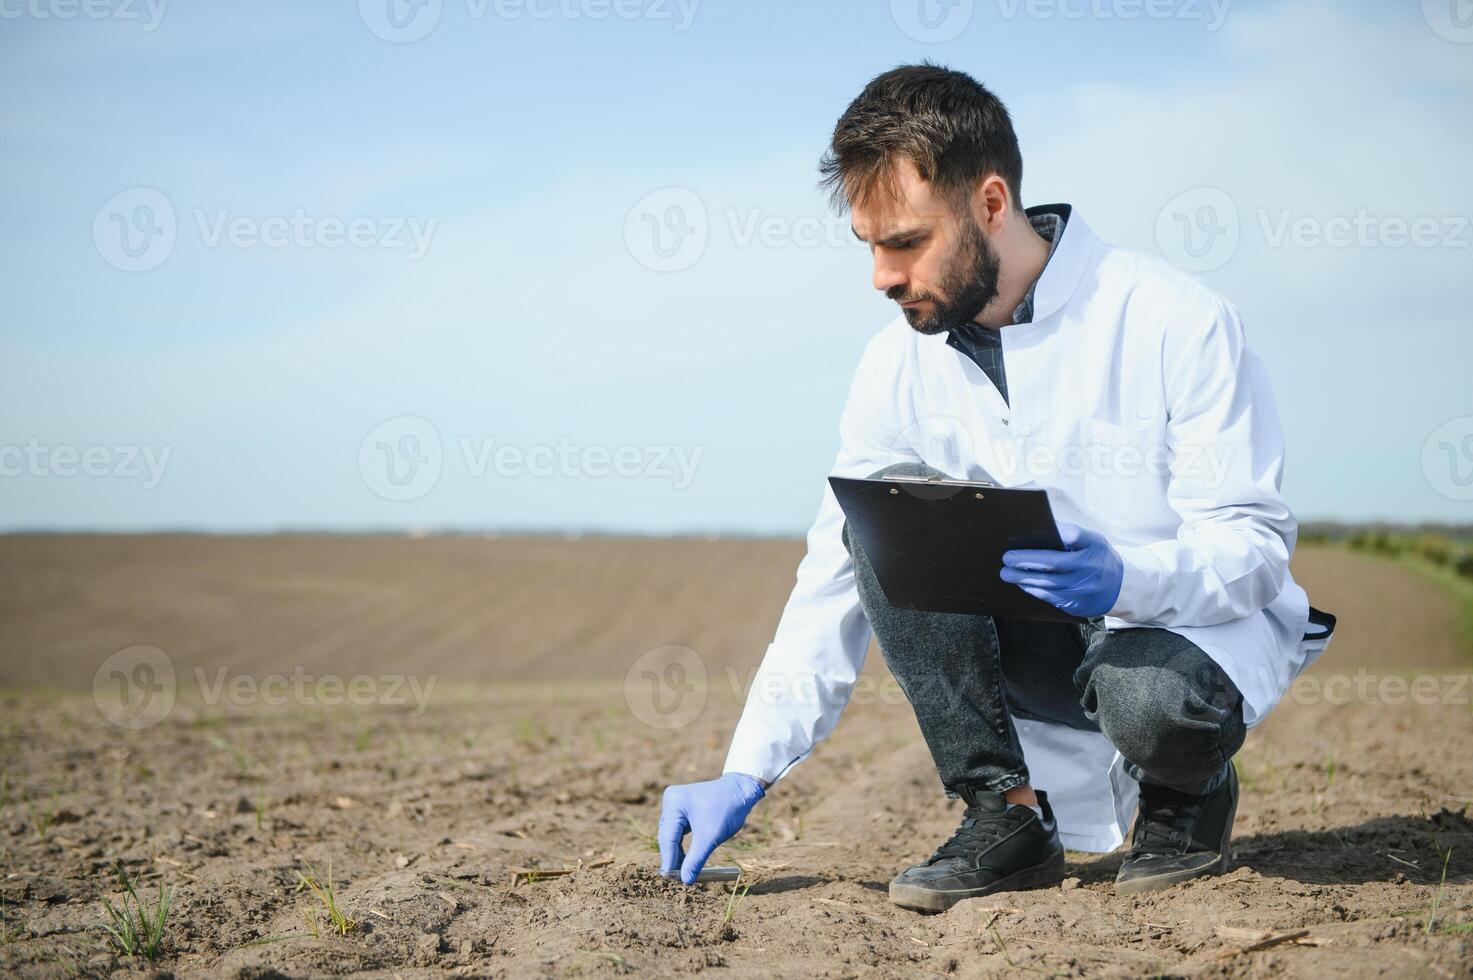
[{"x": 1065, "y": 268}]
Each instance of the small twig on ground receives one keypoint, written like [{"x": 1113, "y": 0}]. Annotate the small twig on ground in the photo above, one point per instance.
[
  {"x": 1003, "y": 948},
  {"x": 1266, "y": 942},
  {"x": 529, "y": 875}
]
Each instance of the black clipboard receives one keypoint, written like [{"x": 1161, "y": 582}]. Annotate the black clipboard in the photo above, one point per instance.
[{"x": 936, "y": 545}]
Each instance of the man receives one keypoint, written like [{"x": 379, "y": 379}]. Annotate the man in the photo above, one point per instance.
[{"x": 1030, "y": 353}]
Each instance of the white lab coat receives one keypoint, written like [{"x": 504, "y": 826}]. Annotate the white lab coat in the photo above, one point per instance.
[{"x": 1137, "y": 405}]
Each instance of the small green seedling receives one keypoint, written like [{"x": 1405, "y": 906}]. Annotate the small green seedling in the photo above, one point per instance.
[
  {"x": 1437, "y": 898},
  {"x": 41, "y": 820},
  {"x": 531, "y": 734},
  {"x": 133, "y": 928},
  {"x": 651, "y": 842},
  {"x": 340, "y": 922},
  {"x": 242, "y": 761},
  {"x": 732, "y": 901}
]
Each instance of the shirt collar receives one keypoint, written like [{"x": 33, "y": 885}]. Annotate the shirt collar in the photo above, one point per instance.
[
  {"x": 1048, "y": 220},
  {"x": 1072, "y": 253},
  {"x": 1069, "y": 241}
]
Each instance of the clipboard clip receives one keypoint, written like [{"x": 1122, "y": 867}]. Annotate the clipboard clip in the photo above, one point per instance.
[{"x": 943, "y": 481}]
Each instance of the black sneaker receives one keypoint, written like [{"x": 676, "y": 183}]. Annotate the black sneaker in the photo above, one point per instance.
[
  {"x": 1179, "y": 836},
  {"x": 997, "y": 848}
]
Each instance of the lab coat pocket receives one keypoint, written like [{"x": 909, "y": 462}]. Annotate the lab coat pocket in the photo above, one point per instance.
[{"x": 1125, "y": 471}]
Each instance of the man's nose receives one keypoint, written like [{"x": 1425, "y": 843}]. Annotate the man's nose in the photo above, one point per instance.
[{"x": 887, "y": 275}]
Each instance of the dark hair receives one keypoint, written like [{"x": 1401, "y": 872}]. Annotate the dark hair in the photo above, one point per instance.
[{"x": 945, "y": 122}]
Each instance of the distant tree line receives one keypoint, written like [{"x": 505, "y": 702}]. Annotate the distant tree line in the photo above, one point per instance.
[{"x": 1444, "y": 545}]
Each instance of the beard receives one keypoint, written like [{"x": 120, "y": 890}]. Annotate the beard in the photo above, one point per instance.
[{"x": 968, "y": 284}]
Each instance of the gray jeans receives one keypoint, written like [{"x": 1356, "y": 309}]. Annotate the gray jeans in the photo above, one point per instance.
[{"x": 1165, "y": 705}]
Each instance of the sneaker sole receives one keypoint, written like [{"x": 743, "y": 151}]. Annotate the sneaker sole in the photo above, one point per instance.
[
  {"x": 1165, "y": 880},
  {"x": 920, "y": 899},
  {"x": 1160, "y": 882}
]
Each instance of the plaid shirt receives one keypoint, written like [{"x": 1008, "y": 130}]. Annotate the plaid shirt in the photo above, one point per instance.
[{"x": 984, "y": 345}]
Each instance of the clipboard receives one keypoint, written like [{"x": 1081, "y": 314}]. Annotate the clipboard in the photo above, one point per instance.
[{"x": 936, "y": 545}]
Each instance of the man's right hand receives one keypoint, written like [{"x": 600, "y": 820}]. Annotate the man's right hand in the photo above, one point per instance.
[{"x": 712, "y": 811}]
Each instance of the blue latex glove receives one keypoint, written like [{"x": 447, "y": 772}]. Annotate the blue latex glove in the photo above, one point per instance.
[
  {"x": 712, "y": 811},
  {"x": 1083, "y": 579}
]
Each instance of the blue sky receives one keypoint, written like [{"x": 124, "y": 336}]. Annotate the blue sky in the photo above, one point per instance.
[{"x": 502, "y": 316}]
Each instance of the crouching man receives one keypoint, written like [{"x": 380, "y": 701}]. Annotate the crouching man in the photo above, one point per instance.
[{"x": 1030, "y": 353}]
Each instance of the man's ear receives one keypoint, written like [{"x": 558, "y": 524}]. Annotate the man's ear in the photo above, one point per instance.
[{"x": 991, "y": 203}]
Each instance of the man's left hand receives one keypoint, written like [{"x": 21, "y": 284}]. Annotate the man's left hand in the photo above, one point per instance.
[{"x": 1083, "y": 579}]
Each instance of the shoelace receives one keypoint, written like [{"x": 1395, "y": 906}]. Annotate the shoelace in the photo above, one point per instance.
[
  {"x": 1166, "y": 817},
  {"x": 980, "y": 829}
]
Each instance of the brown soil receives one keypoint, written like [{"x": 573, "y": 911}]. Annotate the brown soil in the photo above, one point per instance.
[{"x": 529, "y": 755}]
